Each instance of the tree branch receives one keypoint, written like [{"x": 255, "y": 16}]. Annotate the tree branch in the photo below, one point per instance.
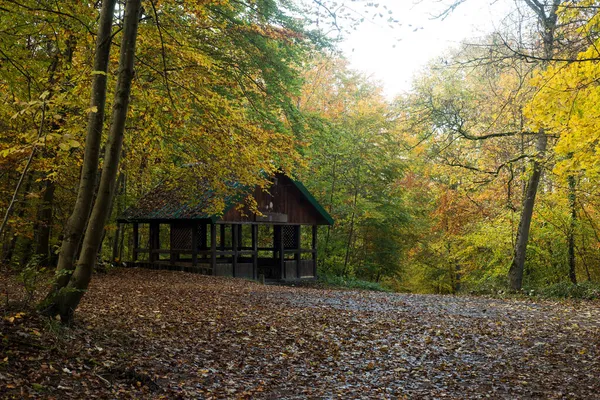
[{"x": 163, "y": 53}]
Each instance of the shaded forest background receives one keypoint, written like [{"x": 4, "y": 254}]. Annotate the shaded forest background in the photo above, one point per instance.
[{"x": 429, "y": 191}]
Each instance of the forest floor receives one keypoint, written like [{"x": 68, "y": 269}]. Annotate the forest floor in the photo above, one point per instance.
[{"x": 157, "y": 334}]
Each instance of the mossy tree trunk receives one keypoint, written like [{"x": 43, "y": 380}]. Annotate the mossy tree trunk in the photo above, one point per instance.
[
  {"x": 68, "y": 300},
  {"x": 85, "y": 194}
]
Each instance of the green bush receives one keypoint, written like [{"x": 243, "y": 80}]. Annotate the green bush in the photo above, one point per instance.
[
  {"x": 350, "y": 283},
  {"x": 489, "y": 285},
  {"x": 584, "y": 290}
]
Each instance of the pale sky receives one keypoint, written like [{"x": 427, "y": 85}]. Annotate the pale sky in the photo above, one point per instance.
[{"x": 370, "y": 48}]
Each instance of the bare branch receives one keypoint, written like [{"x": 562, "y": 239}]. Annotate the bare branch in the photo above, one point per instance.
[{"x": 163, "y": 53}]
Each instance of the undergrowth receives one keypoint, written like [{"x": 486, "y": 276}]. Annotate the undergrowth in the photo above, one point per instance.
[
  {"x": 350, "y": 283},
  {"x": 585, "y": 290}
]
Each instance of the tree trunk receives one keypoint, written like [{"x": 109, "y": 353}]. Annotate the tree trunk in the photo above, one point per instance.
[
  {"x": 110, "y": 209},
  {"x": 10, "y": 248},
  {"x": 457, "y": 278},
  {"x": 83, "y": 204},
  {"x": 329, "y": 227},
  {"x": 68, "y": 300},
  {"x": 13, "y": 200},
  {"x": 45, "y": 97},
  {"x": 115, "y": 243},
  {"x": 515, "y": 273},
  {"x": 122, "y": 244},
  {"x": 572, "y": 227},
  {"x": 350, "y": 234},
  {"x": 118, "y": 232},
  {"x": 42, "y": 246}
]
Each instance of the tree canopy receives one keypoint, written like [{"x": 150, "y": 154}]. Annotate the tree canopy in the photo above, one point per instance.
[{"x": 484, "y": 177}]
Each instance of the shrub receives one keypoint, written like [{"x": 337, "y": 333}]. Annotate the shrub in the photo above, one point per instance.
[
  {"x": 351, "y": 283},
  {"x": 584, "y": 290}
]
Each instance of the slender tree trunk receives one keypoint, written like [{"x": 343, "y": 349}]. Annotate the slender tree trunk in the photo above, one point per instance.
[
  {"x": 364, "y": 253},
  {"x": 118, "y": 234},
  {"x": 457, "y": 278},
  {"x": 8, "y": 246},
  {"x": 83, "y": 204},
  {"x": 10, "y": 249},
  {"x": 548, "y": 20},
  {"x": 594, "y": 230},
  {"x": 115, "y": 243},
  {"x": 583, "y": 260},
  {"x": 13, "y": 200},
  {"x": 333, "y": 181},
  {"x": 44, "y": 97},
  {"x": 350, "y": 234},
  {"x": 122, "y": 244},
  {"x": 27, "y": 251},
  {"x": 69, "y": 299},
  {"x": 572, "y": 227},
  {"x": 110, "y": 209},
  {"x": 42, "y": 246},
  {"x": 515, "y": 273}
]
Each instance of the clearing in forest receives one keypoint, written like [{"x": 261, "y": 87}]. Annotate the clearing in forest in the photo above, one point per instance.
[{"x": 158, "y": 334}]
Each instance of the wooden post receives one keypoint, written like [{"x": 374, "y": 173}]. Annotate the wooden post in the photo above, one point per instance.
[
  {"x": 314, "y": 248},
  {"x": 194, "y": 245},
  {"x": 172, "y": 256},
  {"x": 222, "y": 237},
  {"x": 298, "y": 255},
  {"x": 150, "y": 242},
  {"x": 213, "y": 248},
  {"x": 279, "y": 244},
  {"x": 204, "y": 242},
  {"x": 254, "y": 251},
  {"x": 136, "y": 241},
  {"x": 154, "y": 242},
  {"x": 234, "y": 244},
  {"x": 204, "y": 237}
]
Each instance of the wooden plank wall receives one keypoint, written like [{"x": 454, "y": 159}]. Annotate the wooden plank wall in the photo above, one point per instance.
[{"x": 283, "y": 198}]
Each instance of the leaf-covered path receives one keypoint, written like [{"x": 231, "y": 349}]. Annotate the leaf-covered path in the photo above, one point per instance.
[{"x": 151, "y": 334}]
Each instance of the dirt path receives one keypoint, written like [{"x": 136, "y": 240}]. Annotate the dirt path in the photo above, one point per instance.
[{"x": 163, "y": 334}]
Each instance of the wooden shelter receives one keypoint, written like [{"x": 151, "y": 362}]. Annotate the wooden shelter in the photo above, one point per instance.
[{"x": 280, "y": 243}]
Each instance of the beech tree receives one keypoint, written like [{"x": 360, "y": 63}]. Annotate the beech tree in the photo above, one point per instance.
[
  {"x": 39, "y": 87},
  {"x": 460, "y": 117},
  {"x": 547, "y": 19},
  {"x": 85, "y": 194},
  {"x": 356, "y": 167},
  {"x": 245, "y": 105},
  {"x": 433, "y": 192},
  {"x": 68, "y": 294},
  {"x": 562, "y": 105}
]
